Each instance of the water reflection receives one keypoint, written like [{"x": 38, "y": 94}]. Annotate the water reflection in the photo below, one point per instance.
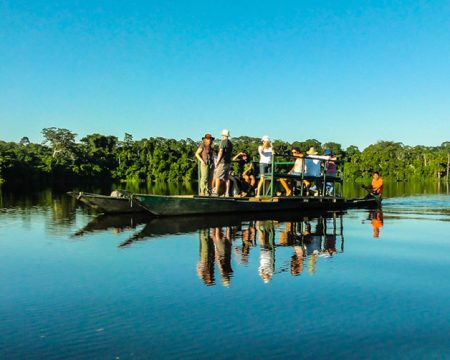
[
  {"x": 309, "y": 238},
  {"x": 376, "y": 220},
  {"x": 117, "y": 223},
  {"x": 229, "y": 241}
]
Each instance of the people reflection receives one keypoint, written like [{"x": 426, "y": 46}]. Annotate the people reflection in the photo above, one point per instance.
[
  {"x": 376, "y": 218},
  {"x": 309, "y": 239},
  {"x": 248, "y": 240},
  {"x": 205, "y": 266},
  {"x": 266, "y": 237},
  {"x": 297, "y": 260},
  {"x": 222, "y": 244},
  {"x": 313, "y": 242}
]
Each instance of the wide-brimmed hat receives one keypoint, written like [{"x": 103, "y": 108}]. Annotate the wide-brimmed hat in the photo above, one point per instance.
[
  {"x": 312, "y": 151},
  {"x": 225, "y": 132},
  {"x": 208, "y": 136},
  {"x": 265, "y": 138}
]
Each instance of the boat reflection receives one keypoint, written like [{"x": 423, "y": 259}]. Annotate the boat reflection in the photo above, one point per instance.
[
  {"x": 227, "y": 241},
  {"x": 117, "y": 223}
]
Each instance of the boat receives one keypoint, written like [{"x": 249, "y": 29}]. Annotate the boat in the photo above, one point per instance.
[
  {"x": 165, "y": 205},
  {"x": 119, "y": 202}
]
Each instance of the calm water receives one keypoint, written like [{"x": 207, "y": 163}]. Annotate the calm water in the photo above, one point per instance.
[{"x": 360, "y": 284}]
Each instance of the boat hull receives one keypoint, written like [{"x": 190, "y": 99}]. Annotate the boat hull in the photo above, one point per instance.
[
  {"x": 161, "y": 205},
  {"x": 108, "y": 204}
]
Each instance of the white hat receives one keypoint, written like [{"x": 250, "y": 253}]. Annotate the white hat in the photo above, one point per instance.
[
  {"x": 225, "y": 132},
  {"x": 265, "y": 138}
]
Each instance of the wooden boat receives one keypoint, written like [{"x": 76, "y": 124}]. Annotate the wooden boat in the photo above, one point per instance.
[
  {"x": 108, "y": 204},
  {"x": 373, "y": 202},
  {"x": 163, "y": 205}
]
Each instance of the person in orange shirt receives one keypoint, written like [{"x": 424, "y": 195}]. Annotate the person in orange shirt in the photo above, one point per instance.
[{"x": 377, "y": 184}]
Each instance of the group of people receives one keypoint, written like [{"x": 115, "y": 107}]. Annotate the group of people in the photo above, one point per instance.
[{"x": 216, "y": 170}]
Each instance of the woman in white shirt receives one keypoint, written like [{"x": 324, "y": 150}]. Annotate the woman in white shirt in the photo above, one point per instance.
[{"x": 265, "y": 161}]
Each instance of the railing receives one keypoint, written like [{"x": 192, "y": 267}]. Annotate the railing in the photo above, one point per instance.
[{"x": 323, "y": 179}]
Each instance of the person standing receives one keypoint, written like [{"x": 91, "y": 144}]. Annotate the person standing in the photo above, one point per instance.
[
  {"x": 224, "y": 162},
  {"x": 265, "y": 161},
  {"x": 204, "y": 154}
]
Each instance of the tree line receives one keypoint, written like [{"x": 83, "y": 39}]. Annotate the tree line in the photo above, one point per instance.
[{"x": 99, "y": 157}]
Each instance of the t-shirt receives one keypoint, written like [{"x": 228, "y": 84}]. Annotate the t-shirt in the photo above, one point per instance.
[
  {"x": 377, "y": 185},
  {"x": 331, "y": 168},
  {"x": 298, "y": 165},
  {"x": 207, "y": 153},
  {"x": 312, "y": 167},
  {"x": 265, "y": 155},
  {"x": 227, "y": 149}
]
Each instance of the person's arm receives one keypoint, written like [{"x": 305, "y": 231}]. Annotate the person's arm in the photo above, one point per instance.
[
  {"x": 260, "y": 152},
  {"x": 237, "y": 156},
  {"x": 248, "y": 169},
  {"x": 197, "y": 155},
  {"x": 219, "y": 156}
]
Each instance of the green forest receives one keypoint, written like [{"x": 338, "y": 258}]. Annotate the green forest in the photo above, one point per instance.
[{"x": 61, "y": 158}]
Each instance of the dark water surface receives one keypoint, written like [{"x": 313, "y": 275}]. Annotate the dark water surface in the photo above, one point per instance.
[{"x": 360, "y": 284}]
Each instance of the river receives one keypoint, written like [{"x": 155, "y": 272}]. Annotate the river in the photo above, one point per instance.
[{"x": 356, "y": 284}]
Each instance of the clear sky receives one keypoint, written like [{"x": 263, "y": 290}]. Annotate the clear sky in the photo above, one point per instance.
[{"x": 352, "y": 72}]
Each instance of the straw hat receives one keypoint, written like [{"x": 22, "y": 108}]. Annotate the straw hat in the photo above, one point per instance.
[{"x": 312, "y": 151}]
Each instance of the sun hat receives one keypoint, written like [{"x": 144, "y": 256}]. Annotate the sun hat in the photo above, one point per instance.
[
  {"x": 208, "y": 136},
  {"x": 225, "y": 132},
  {"x": 312, "y": 151},
  {"x": 265, "y": 138}
]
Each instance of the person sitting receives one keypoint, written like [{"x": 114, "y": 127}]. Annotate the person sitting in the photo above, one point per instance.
[
  {"x": 330, "y": 171},
  {"x": 312, "y": 168},
  {"x": 296, "y": 170},
  {"x": 377, "y": 184},
  {"x": 247, "y": 179}
]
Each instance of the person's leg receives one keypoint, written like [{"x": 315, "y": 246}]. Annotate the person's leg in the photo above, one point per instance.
[
  {"x": 209, "y": 185},
  {"x": 286, "y": 187},
  {"x": 226, "y": 177},
  {"x": 219, "y": 177},
  {"x": 227, "y": 187},
  {"x": 260, "y": 184},
  {"x": 203, "y": 179}
]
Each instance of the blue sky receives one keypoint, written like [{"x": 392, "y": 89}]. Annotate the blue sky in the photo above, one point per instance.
[{"x": 352, "y": 72}]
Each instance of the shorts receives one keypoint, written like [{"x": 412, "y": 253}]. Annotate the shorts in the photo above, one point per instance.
[
  {"x": 222, "y": 171},
  {"x": 265, "y": 169}
]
